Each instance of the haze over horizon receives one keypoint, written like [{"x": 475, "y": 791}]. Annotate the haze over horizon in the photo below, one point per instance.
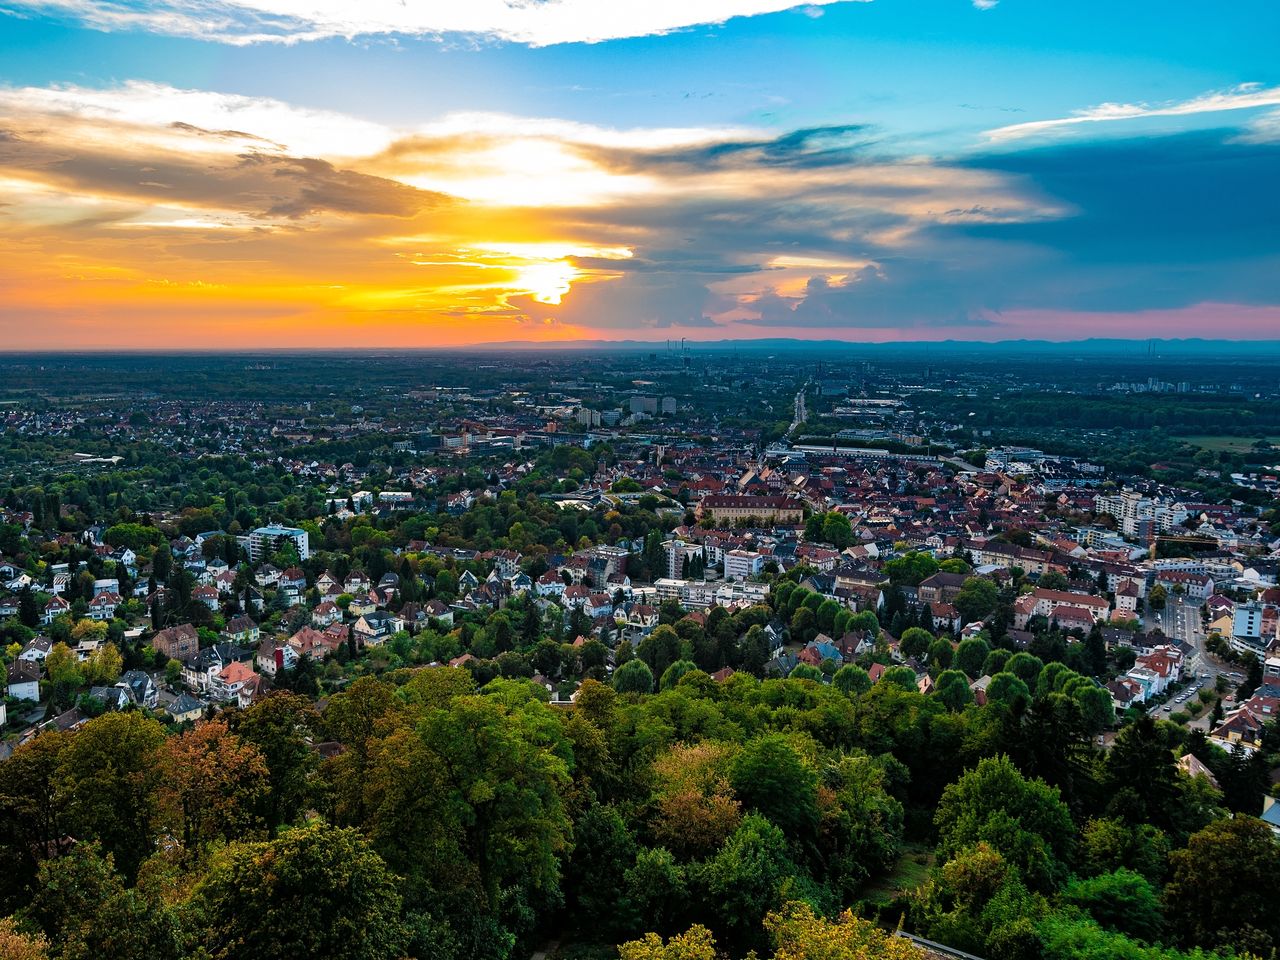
[{"x": 266, "y": 173}]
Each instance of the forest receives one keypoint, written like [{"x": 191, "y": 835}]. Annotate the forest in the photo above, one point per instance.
[{"x": 416, "y": 815}]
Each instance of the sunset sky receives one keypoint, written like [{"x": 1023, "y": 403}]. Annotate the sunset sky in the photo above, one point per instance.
[{"x": 382, "y": 173}]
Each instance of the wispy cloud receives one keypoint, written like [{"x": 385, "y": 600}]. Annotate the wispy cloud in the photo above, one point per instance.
[
  {"x": 1244, "y": 97},
  {"x": 540, "y": 23},
  {"x": 264, "y": 222}
]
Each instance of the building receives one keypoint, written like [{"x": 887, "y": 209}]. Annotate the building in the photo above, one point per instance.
[
  {"x": 1246, "y": 629},
  {"x": 265, "y": 541},
  {"x": 177, "y": 643},
  {"x": 729, "y": 508},
  {"x": 742, "y": 564}
]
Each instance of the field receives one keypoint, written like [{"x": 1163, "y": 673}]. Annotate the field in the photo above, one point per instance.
[{"x": 1220, "y": 443}]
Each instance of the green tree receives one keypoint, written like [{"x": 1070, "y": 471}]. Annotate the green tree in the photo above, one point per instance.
[
  {"x": 1123, "y": 901},
  {"x": 769, "y": 776},
  {"x": 281, "y": 726},
  {"x": 952, "y": 688},
  {"x": 107, "y": 780},
  {"x": 851, "y": 679},
  {"x": 1024, "y": 820},
  {"x": 316, "y": 891},
  {"x": 976, "y": 599},
  {"x": 634, "y": 676},
  {"x": 1007, "y": 688},
  {"x": 914, "y": 642},
  {"x": 1221, "y": 892},
  {"x": 971, "y": 655}
]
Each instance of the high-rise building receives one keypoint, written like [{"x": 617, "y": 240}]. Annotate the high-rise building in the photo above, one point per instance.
[{"x": 265, "y": 541}]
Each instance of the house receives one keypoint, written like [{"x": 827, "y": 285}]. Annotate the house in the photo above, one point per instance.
[
  {"x": 115, "y": 698},
  {"x": 313, "y": 643},
  {"x": 24, "y": 680},
  {"x": 142, "y": 689},
  {"x": 241, "y": 630},
  {"x": 273, "y": 657},
  {"x": 266, "y": 575},
  {"x": 942, "y": 587},
  {"x": 208, "y": 595},
  {"x": 438, "y": 611},
  {"x": 325, "y": 613},
  {"x": 36, "y": 650},
  {"x": 293, "y": 583},
  {"x": 373, "y": 628},
  {"x": 187, "y": 709},
  {"x": 177, "y": 643},
  {"x": 231, "y": 680},
  {"x": 103, "y": 606},
  {"x": 55, "y": 608}
]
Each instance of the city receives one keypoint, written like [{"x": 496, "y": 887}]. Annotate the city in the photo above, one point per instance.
[
  {"x": 666, "y": 480},
  {"x": 594, "y": 531}
]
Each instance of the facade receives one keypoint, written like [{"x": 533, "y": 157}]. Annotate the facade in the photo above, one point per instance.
[
  {"x": 728, "y": 508},
  {"x": 265, "y": 541}
]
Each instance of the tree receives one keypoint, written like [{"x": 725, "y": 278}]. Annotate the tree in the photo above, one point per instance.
[
  {"x": 1123, "y": 901},
  {"x": 952, "y": 688},
  {"x": 16, "y": 945},
  {"x": 280, "y": 727},
  {"x": 910, "y": 568},
  {"x": 995, "y": 662},
  {"x": 770, "y": 777},
  {"x": 1221, "y": 892},
  {"x": 1026, "y": 667},
  {"x": 1024, "y": 820},
  {"x": 212, "y": 785},
  {"x": 914, "y": 642},
  {"x": 660, "y": 649},
  {"x": 671, "y": 676},
  {"x": 107, "y": 780},
  {"x": 634, "y": 676},
  {"x": 976, "y": 599},
  {"x": 316, "y": 891},
  {"x": 744, "y": 881},
  {"x": 851, "y": 679},
  {"x": 971, "y": 655},
  {"x": 903, "y": 677},
  {"x": 695, "y": 809},
  {"x": 104, "y": 664},
  {"x": 941, "y": 654},
  {"x": 84, "y": 907},
  {"x": 1157, "y": 597},
  {"x": 1007, "y": 688},
  {"x": 696, "y": 943},
  {"x": 798, "y": 933},
  {"x": 596, "y": 872}
]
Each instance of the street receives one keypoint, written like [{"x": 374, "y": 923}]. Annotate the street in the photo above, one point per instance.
[{"x": 1180, "y": 621}]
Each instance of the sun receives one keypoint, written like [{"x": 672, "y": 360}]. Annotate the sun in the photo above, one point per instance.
[{"x": 546, "y": 282}]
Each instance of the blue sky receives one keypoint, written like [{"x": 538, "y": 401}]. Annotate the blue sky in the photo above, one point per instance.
[{"x": 1153, "y": 209}]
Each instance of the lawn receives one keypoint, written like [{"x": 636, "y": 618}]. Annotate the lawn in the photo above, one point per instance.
[
  {"x": 1218, "y": 444},
  {"x": 911, "y": 870}
]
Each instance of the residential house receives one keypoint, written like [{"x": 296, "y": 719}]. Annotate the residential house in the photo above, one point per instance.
[
  {"x": 241, "y": 631},
  {"x": 142, "y": 689},
  {"x": 186, "y": 709},
  {"x": 24, "y": 680},
  {"x": 274, "y": 656},
  {"x": 177, "y": 643}
]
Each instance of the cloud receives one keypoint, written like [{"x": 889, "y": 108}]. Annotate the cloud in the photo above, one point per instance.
[
  {"x": 118, "y": 204},
  {"x": 985, "y": 4},
  {"x": 1244, "y": 97},
  {"x": 537, "y": 23}
]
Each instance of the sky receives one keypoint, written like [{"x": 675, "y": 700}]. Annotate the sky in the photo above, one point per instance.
[{"x": 420, "y": 173}]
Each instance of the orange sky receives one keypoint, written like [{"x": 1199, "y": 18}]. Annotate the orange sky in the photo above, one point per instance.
[{"x": 150, "y": 217}]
